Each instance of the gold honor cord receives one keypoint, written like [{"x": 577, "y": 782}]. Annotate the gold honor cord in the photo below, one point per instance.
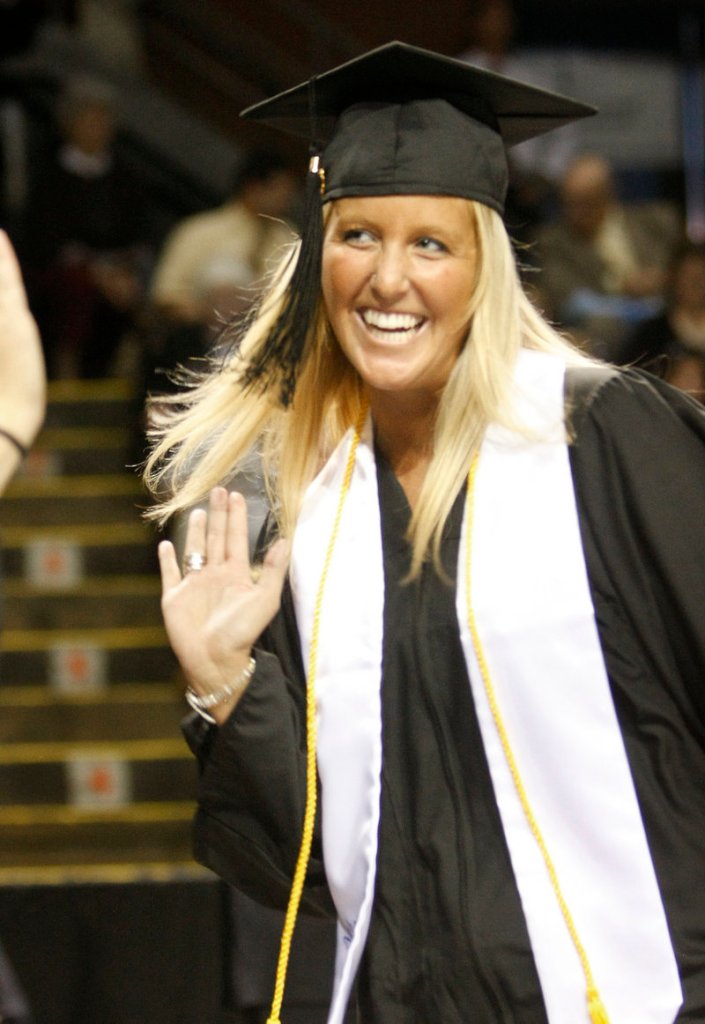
[
  {"x": 596, "y": 1009},
  {"x": 311, "y": 731}
]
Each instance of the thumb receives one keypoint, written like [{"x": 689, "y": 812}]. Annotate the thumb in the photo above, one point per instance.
[{"x": 274, "y": 567}]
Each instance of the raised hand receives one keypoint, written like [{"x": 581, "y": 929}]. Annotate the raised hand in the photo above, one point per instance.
[{"x": 214, "y": 615}]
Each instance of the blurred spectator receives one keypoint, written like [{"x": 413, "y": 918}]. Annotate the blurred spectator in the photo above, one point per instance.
[
  {"x": 602, "y": 264},
  {"x": 212, "y": 266},
  {"x": 85, "y": 245},
  {"x": 19, "y": 23},
  {"x": 535, "y": 166},
  {"x": 672, "y": 345},
  {"x": 240, "y": 237}
]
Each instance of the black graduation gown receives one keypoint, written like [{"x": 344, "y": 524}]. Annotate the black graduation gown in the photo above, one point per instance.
[{"x": 448, "y": 940}]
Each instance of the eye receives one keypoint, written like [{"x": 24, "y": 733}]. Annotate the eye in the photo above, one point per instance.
[
  {"x": 358, "y": 236},
  {"x": 430, "y": 245}
]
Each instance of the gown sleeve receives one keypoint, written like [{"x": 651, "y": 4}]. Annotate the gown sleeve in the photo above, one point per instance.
[
  {"x": 252, "y": 787},
  {"x": 638, "y": 462}
]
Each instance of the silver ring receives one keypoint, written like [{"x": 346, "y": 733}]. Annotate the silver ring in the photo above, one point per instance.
[{"x": 193, "y": 562}]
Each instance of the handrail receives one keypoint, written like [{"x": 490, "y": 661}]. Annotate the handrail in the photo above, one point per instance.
[
  {"x": 264, "y": 62},
  {"x": 205, "y": 27}
]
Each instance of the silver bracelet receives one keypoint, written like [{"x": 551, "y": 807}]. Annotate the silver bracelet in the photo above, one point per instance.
[
  {"x": 22, "y": 449},
  {"x": 202, "y": 703}
]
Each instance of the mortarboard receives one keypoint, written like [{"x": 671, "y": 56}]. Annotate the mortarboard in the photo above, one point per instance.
[
  {"x": 402, "y": 117},
  {"x": 398, "y": 120}
]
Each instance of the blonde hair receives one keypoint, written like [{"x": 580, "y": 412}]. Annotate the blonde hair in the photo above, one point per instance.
[{"x": 202, "y": 435}]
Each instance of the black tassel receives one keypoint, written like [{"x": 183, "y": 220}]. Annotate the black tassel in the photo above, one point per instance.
[{"x": 281, "y": 354}]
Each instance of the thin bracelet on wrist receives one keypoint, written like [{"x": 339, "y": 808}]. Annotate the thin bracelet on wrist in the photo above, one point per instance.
[
  {"x": 13, "y": 441},
  {"x": 202, "y": 703}
]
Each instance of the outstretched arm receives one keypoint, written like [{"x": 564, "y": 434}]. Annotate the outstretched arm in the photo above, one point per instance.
[{"x": 22, "y": 374}]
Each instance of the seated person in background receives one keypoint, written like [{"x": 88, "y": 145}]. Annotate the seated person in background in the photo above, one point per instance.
[
  {"x": 672, "y": 344},
  {"x": 246, "y": 231},
  {"x": 603, "y": 263},
  {"x": 85, "y": 247},
  {"x": 211, "y": 267}
]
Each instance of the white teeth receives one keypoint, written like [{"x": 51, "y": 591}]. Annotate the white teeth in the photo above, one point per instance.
[{"x": 391, "y": 321}]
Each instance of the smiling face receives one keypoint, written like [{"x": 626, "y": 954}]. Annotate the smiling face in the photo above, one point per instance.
[{"x": 398, "y": 278}]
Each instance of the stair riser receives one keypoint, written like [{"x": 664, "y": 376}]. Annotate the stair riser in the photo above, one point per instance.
[
  {"x": 25, "y": 668},
  {"x": 92, "y": 843},
  {"x": 97, "y": 722},
  {"x": 53, "y": 510},
  {"x": 76, "y": 611},
  {"x": 79, "y": 462},
  {"x": 28, "y": 784},
  {"x": 102, "y": 560},
  {"x": 88, "y": 414}
]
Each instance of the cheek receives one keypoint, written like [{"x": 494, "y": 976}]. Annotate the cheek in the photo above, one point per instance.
[
  {"x": 342, "y": 276},
  {"x": 452, "y": 295},
  {"x": 332, "y": 284}
]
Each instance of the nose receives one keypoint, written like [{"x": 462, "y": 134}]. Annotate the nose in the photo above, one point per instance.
[{"x": 390, "y": 276}]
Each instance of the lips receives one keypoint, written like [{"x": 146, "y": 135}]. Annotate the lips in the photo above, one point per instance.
[{"x": 390, "y": 326}]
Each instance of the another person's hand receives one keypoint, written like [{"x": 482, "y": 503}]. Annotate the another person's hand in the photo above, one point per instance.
[
  {"x": 214, "y": 615},
  {"x": 22, "y": 373}
]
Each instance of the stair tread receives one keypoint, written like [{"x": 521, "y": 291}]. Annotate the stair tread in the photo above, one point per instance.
[
  {"x": 57, "y": 751},
  {"x": 125, "y": 693},
  {"x": 87, "y": 534},
  {"x": 115, "y": 389},
  {"x": 112, "y": 638},
  {"x": 60, "y": 872},
  {"x": 144, "y": 812},
  {"x": 71, "y": 438},
  {"x": 89, "y": 485},
  {"x": 91, "y": 586}
]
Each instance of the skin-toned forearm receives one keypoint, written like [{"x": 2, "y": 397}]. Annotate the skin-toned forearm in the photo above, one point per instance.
[{"x": 22, "y": 373}]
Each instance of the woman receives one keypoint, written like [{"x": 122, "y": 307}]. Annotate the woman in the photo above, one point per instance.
[{"x": 506, "y": 745}]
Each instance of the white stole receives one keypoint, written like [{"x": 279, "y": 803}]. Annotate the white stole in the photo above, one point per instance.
[
  {"x": 536, "y": 623},
  {"x": 348, "y": 677}
]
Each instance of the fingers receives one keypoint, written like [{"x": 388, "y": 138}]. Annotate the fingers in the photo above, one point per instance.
[
  {"x": 195, "y": 539},
  {"x": 217, "y": 526},
  {"x": 274, "y": 569},
  {"x": 237, "y": 540},
  {"x": 171, "y": 577},
  {"x": 12, "y": 294},
  {"x": 221, "y": 532},
  {"x": 278, "y": 555}
]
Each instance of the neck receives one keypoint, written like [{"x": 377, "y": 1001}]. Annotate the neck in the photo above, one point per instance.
[{"x": 404, "y": 433}]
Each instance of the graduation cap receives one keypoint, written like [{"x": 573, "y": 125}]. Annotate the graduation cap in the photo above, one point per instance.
[{"x": 398, "y": 120}]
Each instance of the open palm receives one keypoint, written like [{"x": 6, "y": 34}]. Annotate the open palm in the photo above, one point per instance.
[{"x": 213, "y": 616}]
